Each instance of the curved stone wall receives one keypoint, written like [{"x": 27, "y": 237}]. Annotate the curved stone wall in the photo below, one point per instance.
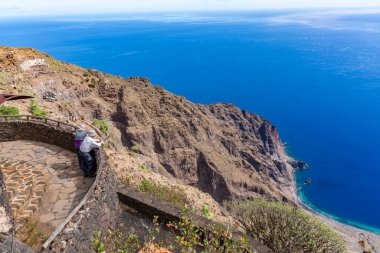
[
  {"x": 60, "y": 134},
  {"x": 37, "y": 131}
]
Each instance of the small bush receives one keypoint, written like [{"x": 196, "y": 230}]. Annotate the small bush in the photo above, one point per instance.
[
  {"x": 190, "y": 238},
  {"x": 37, "y": 111},
  {"x": 210, "y": 239},
  {"x": 116, "y": 241},
  {"x": 9, "y": 110},
  {"x": 173, "y": 195},
  {"x": 284, "y": 228},
  {"x": 145, "y": 168},
  {"x": 102, "y": 125},
  {"x": 135, "y": 148},
  {"x": 127, "y": 180},
  {"x": 207, "y": 213}
]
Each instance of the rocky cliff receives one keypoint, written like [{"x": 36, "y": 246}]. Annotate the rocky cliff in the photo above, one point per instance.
[{"x": 223, "y": 150}]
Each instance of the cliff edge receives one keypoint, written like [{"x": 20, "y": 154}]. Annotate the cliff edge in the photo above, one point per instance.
[{"x": 219, "y": 148}]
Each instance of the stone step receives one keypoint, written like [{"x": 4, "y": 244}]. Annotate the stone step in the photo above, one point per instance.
[{"x": 26, "y": 187}]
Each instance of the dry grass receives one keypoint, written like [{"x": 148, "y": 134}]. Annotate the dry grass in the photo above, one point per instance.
[
  {"x": 34, "y": 233},
  {"x": 174, "y": 195},
  {"x": 4, "y": 77}
]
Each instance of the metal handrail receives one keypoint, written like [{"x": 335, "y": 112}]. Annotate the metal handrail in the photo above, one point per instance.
[{"x": 31, "y": 118}]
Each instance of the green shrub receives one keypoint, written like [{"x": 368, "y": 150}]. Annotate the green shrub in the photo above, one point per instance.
[
  {"x": 207, "y": 213},
  {"x": 210, "y": 239},
  {"x": 9, "y": 110},
  {"x": 115, "y": 241},
  {"x": 135, "y": 148},
  {"x": 37, "y": 111},
  {"x": 173, "y": 195},
  {"x": 102, "y": 125},
  {"x": 285, "y": 228},
  {"x": 92, "y": 84},
  {"x": 145, "y": 168},
  {"x": 190, "y": 238}
]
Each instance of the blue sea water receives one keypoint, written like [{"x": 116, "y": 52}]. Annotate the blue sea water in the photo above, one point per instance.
[{"x": 314, "y": 74}]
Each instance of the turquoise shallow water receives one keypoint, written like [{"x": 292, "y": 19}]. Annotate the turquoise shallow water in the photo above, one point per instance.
[
  {"x": 315, "y": 75},
  {"x": 304, "y": 199}
]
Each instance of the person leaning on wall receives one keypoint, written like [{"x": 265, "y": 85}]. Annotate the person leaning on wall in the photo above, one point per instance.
[
  {"x": 88, "y": 144},
  {"x": 79, "y": 135}
]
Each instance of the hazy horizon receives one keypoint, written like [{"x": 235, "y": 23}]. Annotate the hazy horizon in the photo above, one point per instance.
[{"x": 9, "y": 8}]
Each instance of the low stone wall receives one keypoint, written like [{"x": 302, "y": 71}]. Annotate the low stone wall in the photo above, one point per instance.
[
  {"x": 98, "y": 213},
  {"x": 102, "y": 199},
  {"x": 151, "y": 206},
  {"x": 36, "y": 131}
]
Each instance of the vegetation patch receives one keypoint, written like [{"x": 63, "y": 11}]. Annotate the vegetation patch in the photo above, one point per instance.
[
  {"x": 285, "y": 228},
  {"x": 134, "y": 151},
  {"x": 207, "y": 213},
  {"x": 9, "y": 110},
  {"x": 127, "y": 180},
  {"x": 56, "y": 65},
  {"x": 34, "y": 233},
  {"x": 174, "y": 195},
  {"x": 190, "y": 238},
  {"x": 37, "y": 110},
  {"x": 102, "y": 125},
  {"x": 135, "y": 148},
  {"x": 145, "y": 168}
]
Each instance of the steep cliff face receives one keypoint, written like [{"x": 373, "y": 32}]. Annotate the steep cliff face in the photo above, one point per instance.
[{"x": 223, "y": 150}]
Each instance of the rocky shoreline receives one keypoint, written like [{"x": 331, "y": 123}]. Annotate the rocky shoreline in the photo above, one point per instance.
[{"x": 349, "y": 233}]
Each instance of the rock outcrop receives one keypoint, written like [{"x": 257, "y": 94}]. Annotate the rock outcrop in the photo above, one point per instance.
[{"x": 223, "y": 150}]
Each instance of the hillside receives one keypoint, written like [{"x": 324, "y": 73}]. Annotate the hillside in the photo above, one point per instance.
[{"x": 220, "y": 149}]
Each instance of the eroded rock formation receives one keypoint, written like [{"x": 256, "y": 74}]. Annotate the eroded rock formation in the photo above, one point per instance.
[{"x": 223, "y": 150}]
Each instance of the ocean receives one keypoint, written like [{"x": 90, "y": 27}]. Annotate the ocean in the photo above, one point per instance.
[{"x": 314, "y": 74}]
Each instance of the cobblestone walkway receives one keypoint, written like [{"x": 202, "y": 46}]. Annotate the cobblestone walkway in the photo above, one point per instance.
[{"x": 43, "y": 179}]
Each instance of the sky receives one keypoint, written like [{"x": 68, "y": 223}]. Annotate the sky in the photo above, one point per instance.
[{"x": 53, "y": 7}]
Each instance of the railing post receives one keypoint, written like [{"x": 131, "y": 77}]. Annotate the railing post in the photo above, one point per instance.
[{"x": 45, "y": 120}]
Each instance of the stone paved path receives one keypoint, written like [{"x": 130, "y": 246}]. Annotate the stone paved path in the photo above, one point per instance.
[{"x": 43, "y": 179}]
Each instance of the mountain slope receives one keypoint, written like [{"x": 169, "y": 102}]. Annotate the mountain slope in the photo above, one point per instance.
[{"x": 221, "y": 149}]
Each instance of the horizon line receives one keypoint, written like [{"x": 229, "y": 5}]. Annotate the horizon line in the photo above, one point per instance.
[{"x": 183, "y": 11}]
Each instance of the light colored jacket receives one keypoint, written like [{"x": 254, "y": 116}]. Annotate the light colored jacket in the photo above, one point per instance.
[{"x": 89, "y": 144}]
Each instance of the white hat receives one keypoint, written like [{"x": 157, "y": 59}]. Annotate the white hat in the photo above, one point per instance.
[
  {"x": 81, "y": 127},
  {"x": 92, "y": 133}
]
